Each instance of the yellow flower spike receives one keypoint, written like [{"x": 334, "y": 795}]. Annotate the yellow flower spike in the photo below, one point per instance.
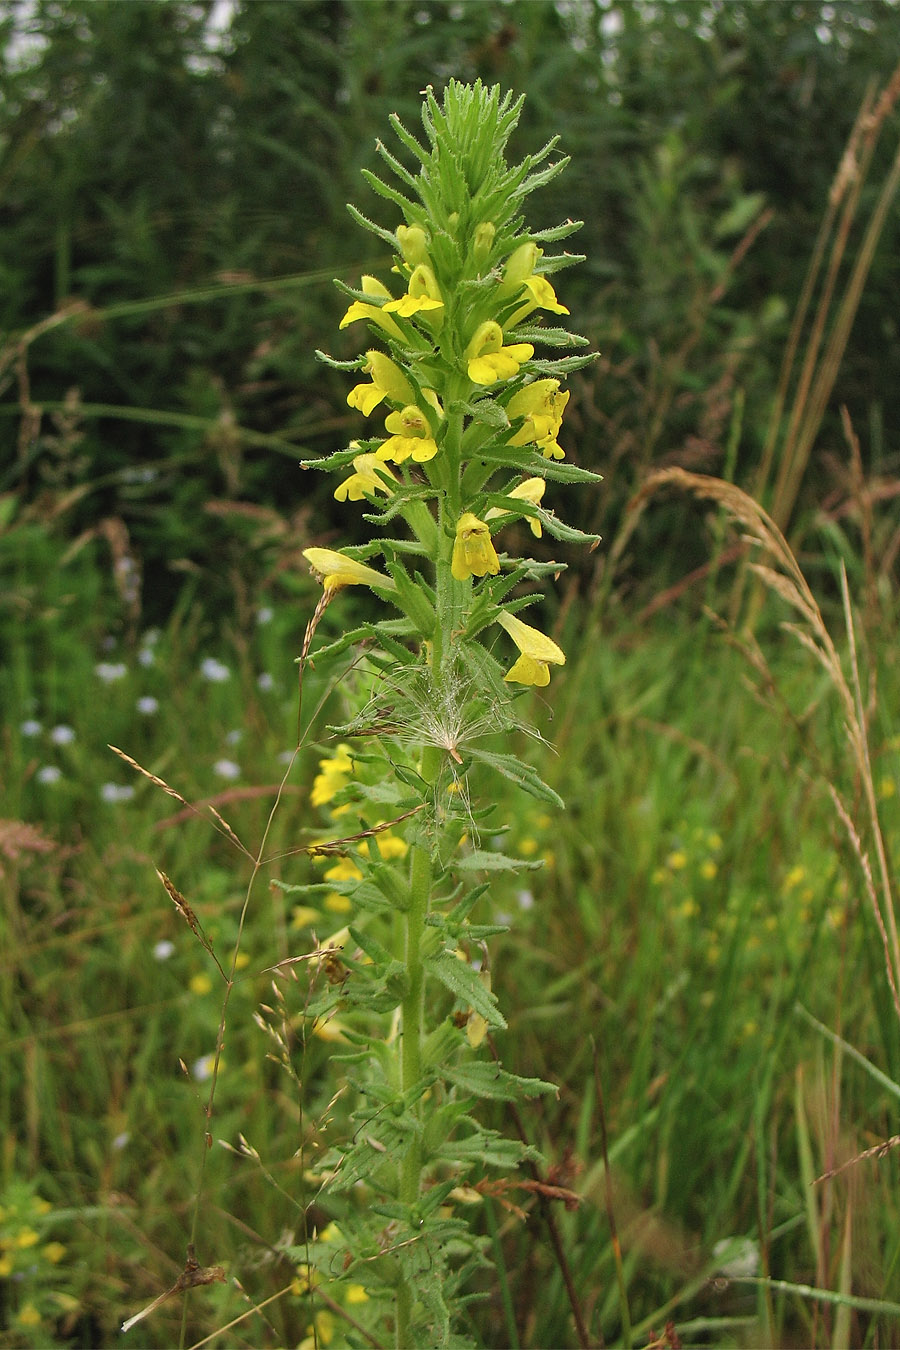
[
  {"x": 336, "y": 570},
  {"x": 542, "y": 405},
  {"x": 488, "y": 360},
  {"x": 360, "y": 310},
  {"x": 531, "y": 490},
  {"x": 413, "y": 243},
  {"x": 423, "y": 294},
  {"x": 538, "y": 652},
  {"x": 411, "y": 435},
  {"x": 388, "y": 381},
  {"x": 367, "y": 477},
  {"x": 541, "y": 295},
  {"x": 474, "y": 554}
]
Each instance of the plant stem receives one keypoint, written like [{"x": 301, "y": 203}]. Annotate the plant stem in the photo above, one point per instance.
[{"x": 448, "y": 606}]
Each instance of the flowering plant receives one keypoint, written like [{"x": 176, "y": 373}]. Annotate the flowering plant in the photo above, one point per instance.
[{"x": 472, "y": 420}]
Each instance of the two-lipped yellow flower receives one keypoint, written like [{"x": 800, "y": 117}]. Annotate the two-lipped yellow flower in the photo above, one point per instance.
[
  {"x": 388, "y": 382},
  {"x": 537, "y": 652},
  {"x": 474, "y": 554},
  {"x": 487, "y": 360},
  {"x": 336, "y": 570},
  {"x": 411, "y": 436},
  {"x": 532, "y": 490},
  {"x": 371, "y": 286},
  {"x": 542, "y": 405},
  {"x": 369, "y": 475}
]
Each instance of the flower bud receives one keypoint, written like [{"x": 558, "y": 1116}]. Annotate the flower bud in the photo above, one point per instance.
[{"x": 413, "y": 243}]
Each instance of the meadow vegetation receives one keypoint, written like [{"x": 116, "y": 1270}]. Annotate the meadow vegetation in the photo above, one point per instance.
[{"x": 706, "y": 964}]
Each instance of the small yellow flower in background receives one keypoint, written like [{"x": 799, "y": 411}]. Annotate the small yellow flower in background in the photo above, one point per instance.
[
  {"x": 708, "y": 869},
  {"x": 391, "y": 846},
  {"x": 538, "y": 652},
  {"x": 29, "y": 1316},
  {"x": 488, "y": 360},
  {"x": 474, "y": 554},
  {"x": 359, "y": 310},
  {"x": 677, "y": 860},
  {"x": 410, "y": 435},
  {"x": 886, "y": 788},
  {"x": 528, "y": 847},
  {"x": 241, "y": 961},
  {"x": 688, "y": 908},
  {"x": 328, "y": 1029},
  {"x": 542, "y": 405},
  {"x": 531, "y": 490},
  {"x": 369, "y": 474},
  {"x": 6, "y": 1267},
  {"x": 54, "y": 1252},
  {"x": 388, "y": 381},
  {"x": 337, "y": 903},
  {"x": 356, "y": 1294},
  {"x": 336, "y": 570},
  {"x": 303, "y": 915},
  {"x": 334, "y": 773},
  {"x": 714, "y": 841},
  {"x": 200, "y": 984},
  {"x": 345, "y": 869},
  {"x": 794, "y": 877}
]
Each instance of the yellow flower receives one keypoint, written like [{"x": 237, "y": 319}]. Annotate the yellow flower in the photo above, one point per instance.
[
  {"x": 392, "y": 846},
  {"x": 388, "y": 381},
  {"x": 423, "y": 295},
  {"x": 540, "y": 295},
  {"x": 345, "y": 869},
  {"x": 541, "y": 404},
  {"x": 332, "y": 776},
  {"x": 519, "y": 267},
  {"x": 29, "y": 1316},
  {"x": 532, "y": 490},
  {"x": 488, "y": 360},
  {"x": 677, "y": 860},
  {"x": 337, "y": 903},
  {"x": 473, "y": 553},
  {"x": 6, "y": 1267},
  {"x": 303, "y": 915},
  {"x": 538, "y": 652},
  {"x": 200, "y": 984},
  {"x": 356, "y": 1294},
  {"x": 368, "y": 477},
  {"x": 336, "y": 570},
  {"x": 54, "y": 1252},
  {"x": 374, "y": 313},
  {"x": 411, "y": 435}
]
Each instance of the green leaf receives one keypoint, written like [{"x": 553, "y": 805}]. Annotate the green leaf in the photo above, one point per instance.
[
  {"x": 483, "y": 1079},
  {"x": 481, "y": 861},
  {"x": 466, "y": 984},
  {"x": 522, "y": 774}
]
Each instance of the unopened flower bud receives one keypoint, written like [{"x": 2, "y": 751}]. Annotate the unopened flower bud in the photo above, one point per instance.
[
  {"x": 413, "y": 243},
  {"x": 484, "y": 242}
]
